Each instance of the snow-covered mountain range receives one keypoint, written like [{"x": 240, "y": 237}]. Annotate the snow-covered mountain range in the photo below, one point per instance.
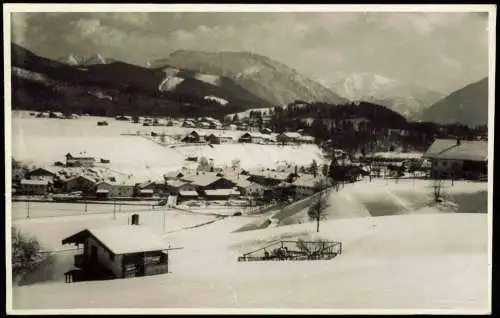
[
  {"x": 81, "y": 60},
  {"x": 405, "y": 98}
]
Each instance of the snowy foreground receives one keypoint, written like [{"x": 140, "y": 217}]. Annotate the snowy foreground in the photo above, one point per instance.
[{"x": 428, "y": 261}]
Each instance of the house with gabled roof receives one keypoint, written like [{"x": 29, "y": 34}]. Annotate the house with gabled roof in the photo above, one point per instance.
[
  {"x": 82, "y": 183},
  {"x": 34, "y": 187},
  {"x": 42, "y": 174},
  {"x": 458, "y": 158},
  {"x": 79, "y": 161},
  {"x": 119, "y": 252},
  {"x": 114, "y": 189},
  {"x": 209, "y": 181}
]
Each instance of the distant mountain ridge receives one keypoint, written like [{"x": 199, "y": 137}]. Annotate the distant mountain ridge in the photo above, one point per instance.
[
  {"x": 405, "y": 98},
  {"x": 117, "y": 87},
  {"x": 268, "y": 79},
  {"x": 468, "y": 105},
  {"x": 80, "y": 60}
]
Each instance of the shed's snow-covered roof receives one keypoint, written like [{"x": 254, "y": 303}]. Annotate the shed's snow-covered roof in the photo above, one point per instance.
[
  {"x": 128, "y": 239},
  {"x": 203, "y": 180},
  {"x": 188, "y": 193},
  {"x": 218, "y": 192},
  {"x": 465, "y": 150},
  {"x": 34, "y": 182}
]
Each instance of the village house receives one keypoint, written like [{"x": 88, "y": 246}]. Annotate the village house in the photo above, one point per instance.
[
  {"x": 209, "y": 181},
  {"x": 226, "y": 138},
  {"x": 288, "y": 137},
  {"x": 80, "y": 183},
  {"x": 458, "y": 158},
  {"x": 146, "y": 189},
  {"x": 194, "y": 137},
  {"x": 113, "y": 189},
  {"x": 213, "y": 139},
  {"x": 270, "y": 178},
  {"x": 248, "y": 188},
  {"x": 42, "y": 174},
  {"x": 189, "y": 124},
  {"x": 246, "y": 137},
  {"x": 306, "y": 185},
  {"x": 72, "y": 161},
  {"x": 34, "y": 187},
  {"x": 119, "y": 252},
  {"x": 174, "y": 187}
]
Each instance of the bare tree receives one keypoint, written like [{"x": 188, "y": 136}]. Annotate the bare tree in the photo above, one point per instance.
[{"x": 317, "y": 210}]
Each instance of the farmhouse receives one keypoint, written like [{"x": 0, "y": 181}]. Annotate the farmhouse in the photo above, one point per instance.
[
  {"x": 80, "y": 183},
  {"x": 42, "y": 174},
  {"x": 246, "y": 137},
  {"x": 146, "y": 189},
  {"x": 458, "y": 158},
  {"x": 174, "y": 187},
  {"x": 188, "y": 123},
  {"x": 35, "y": 187},
  {"x": 209, "y": 181},
  {"x": 194, "y": 137},
  {"x": 306, "y": 185},
  {"x": 213, "y": 139},
  {"x": 287, "y": 137},
  {"x": 119, "y": 252},
  {"x": 79, "y": 161},
  {"x": 270, "y": 178},
  {"x": 246, "y": 187},
  {"x": 112, "y": 189}
]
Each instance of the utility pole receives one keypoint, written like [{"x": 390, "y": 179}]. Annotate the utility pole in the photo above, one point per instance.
[
  {"x": 114, "y": 210},
  {"x": 86, "y": 206},
  {"x": 28, "y": 205}
]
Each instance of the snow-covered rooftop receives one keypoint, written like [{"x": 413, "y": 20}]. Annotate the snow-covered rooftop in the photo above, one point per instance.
[
  {"x": 463, "y": 150},
  {"x": 217, "y": 192},
  {"x": 34, "y": 182},
  {"x": 125, "y": 239}
]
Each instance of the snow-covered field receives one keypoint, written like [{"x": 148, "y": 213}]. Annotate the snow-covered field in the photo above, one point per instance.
[
  {"x": 415, "y": 260},
  {"x": 432, "y": 261},
  {"x": 44, "y": 141}
]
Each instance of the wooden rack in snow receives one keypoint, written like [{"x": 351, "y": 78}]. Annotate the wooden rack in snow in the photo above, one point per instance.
[{"x": 294, "y": 250}]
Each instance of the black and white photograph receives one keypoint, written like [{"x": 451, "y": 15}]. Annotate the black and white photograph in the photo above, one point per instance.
[{"x": 223, "y": 158}]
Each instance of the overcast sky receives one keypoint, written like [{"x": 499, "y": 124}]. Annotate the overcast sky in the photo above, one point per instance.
[{"x": 443, "y": 51}]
